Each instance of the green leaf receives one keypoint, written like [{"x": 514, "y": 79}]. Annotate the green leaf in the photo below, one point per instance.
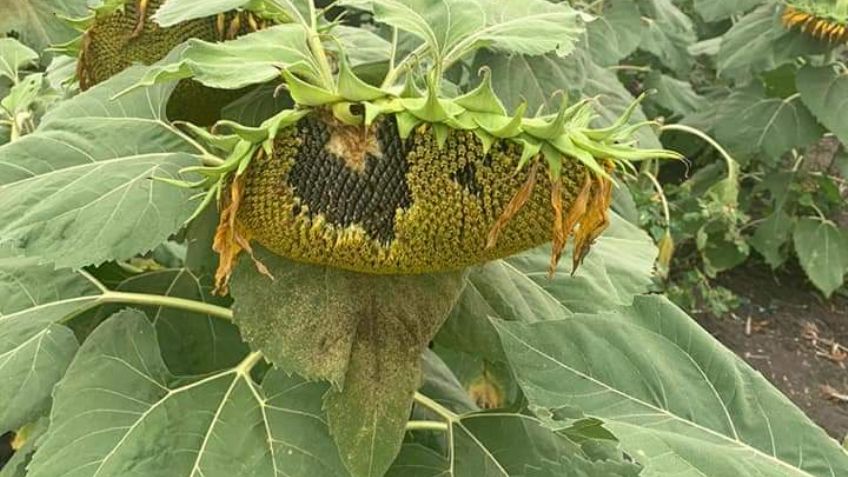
[
  {"x": 254, "y": 58},
  {"x": 619, "y": 267},
  {"x": 667, "y": 33},
  {"x": 94, "y": 199},
  {"x": 22, "y": 95},
  {"x": 614, "y": 100},
  {"x": 416, "y": 460},
  {"x": 35, "y": 349},
  {"x": 119, "y": 408},
  {"x": 715, "y": 10},
  {"x": 674, "y": 95},
  {"x": 825, "y": 91},
  {"x": 771, "y": 236},
  {"x": 615, "y": 34},
  {"x": 363, "y": 333},
  {"x": 750, "y": 122},
  {"x": 13, "y": 56},
  {"x": 759, "y": 42},
  {"x": 173, "y": 12},
  {"x": 36, "y": 21},
  {"x": 678, "y": 401},
  {"x": 822, "y": 249},
  {"x": 192, "y": 344},
  {"x": 364, "y": 48},
  {"x": 524, "y": 27}
]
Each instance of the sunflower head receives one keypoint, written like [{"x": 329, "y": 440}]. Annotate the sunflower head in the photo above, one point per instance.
[
  {"x": 826, "y": 20},
  {"x": 116, "y": 37}
]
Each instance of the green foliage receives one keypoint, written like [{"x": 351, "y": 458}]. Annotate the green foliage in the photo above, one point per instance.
[{"x": 117, "y": 358}]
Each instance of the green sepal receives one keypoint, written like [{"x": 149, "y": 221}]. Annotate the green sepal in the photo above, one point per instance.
[
  {"x": 69, "y": 48},
  {"x": 410, "y": 90},
  {"x": 352, "y": 88},
  {"x": 307, "y": 94},
  {"x": 373, "y": 109},
  {"x": 441, "y": 132},
  {"x": 220, "y": 142},
  {"x": 341, "y": 111},
  {"x": 621, "y": 122},
  {"x": 247, "y": 156},
  {"x": 543, "y": 128},
  {"x": 80, "y": 24},
  {"x": 255, "y": 134},
  {"x": 213, "y": 193},
  {"x": 530, "y": 148},
  {"x": 554, "y": 158},
  {"x": 618, "y": 152},
  {"x": 500, "y": 126},
  {"x": 464, "y": 121},
  {"x": 406, "y": 122},
  {"x": 564, "y": 145},
  {"x": 486, "y": 139},
  {"x": 279, "y": 121},
  {"x": 482, "y": 99}
]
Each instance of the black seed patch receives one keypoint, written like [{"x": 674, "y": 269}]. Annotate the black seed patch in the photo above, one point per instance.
[{"x": 370, "y": 198}]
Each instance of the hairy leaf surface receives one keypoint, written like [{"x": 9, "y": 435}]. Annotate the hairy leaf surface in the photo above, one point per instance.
[
  {"x": 825, "y": 91},
  {"x": 627, "y": 367},
  {"x": 80, "y": 190}
]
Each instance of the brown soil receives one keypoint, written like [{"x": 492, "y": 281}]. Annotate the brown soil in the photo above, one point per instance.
[{"x": 791, "y": 334}]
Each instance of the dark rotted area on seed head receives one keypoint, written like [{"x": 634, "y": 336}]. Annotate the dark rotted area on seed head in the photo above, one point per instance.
[{"x": 328, "y": 186}]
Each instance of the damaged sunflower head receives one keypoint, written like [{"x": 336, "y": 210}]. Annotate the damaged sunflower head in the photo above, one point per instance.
[
  {"x": 400, "y": 179},
  {"x": 116, "y": 36},
  {"x": 823, "y": 19}
]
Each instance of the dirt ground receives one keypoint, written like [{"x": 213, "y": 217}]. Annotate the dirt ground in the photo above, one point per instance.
[{"x": 788, "y": 332}]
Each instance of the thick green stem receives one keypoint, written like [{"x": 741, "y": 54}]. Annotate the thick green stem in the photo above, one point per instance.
[
  {"x": 426, "y": 426},
  {"x": 167, "y": 302}
]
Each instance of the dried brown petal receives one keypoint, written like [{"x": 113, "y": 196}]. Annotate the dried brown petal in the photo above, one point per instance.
[{"x": 515, "y": 204}]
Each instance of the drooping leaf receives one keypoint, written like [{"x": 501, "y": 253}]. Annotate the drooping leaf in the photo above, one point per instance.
[
  {"x": 822, "y": 250},
  {"x": 364, "y": 333},
  {"x": 619, "y": 267},
  {"x": 35, "y": 349},
  {"x": 254, "y": 58},
  {"x": 677, "y": 400},
  {"x": 13, "y": 56},
  {"x": 771, "y": 237},
  {"x": 667, "y": 33},
  {"x": 759, "y": 42},
  {"x": 615, "y": 33},
  {"x": 119, "y": 408},
  {"x": 751, "y": 122},
  {"x": 825, "y": 91},
  {"x": 36, "y": 21},
  {"x": 80, "y": 190},
  {"x": 714, "y": 10},
  {"x": 364, "y": 48}
]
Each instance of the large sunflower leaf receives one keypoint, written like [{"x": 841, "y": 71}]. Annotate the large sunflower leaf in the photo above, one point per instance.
[
  {"x": 678, "y": 401},
  {"x": 759, "y": 42},
  {"x": 364, "y": 333},
  {"x": 751, "y": 122},
  {"x": 825, "y": 91},
  {"x": 822, "y": 250},
  {"x": 80, "y": 190},
  {"x": 13, "y": 56},
  {"x": 619, "y": 267},
  {"x": 120, "y": 410},
  {"x": 173, "y": 12},
  {"x": 714, "y": 10},
  {"x": 36, "y": 21},
  {"x": 35, "y": 349}
]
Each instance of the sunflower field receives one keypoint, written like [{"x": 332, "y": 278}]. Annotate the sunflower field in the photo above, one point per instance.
[{"x": 365, "y": 238}]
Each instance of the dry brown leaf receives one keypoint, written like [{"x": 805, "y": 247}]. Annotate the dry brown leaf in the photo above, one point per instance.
[
  {"x": 560, "y": 237},
  {"x": 593, "y": 222},
  {"x": 226, "y": 242},
  {"x": 515, "y": 204},
  {"x": 572, "y": 218}
]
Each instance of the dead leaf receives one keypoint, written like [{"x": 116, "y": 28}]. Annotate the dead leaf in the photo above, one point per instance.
[{"x": 515, "y": 204}]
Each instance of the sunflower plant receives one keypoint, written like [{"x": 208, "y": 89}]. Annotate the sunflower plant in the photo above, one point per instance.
[{"x": 284, "y": 237}]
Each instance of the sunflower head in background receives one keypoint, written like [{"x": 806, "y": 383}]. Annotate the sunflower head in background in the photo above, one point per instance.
[{"x": 823, "y": 19}]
